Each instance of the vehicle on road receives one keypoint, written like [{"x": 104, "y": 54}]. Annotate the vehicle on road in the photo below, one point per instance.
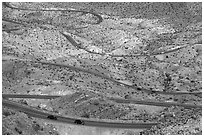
[
  {"x": 80, "y": 122},
  {"x": 52, "y": 117}
]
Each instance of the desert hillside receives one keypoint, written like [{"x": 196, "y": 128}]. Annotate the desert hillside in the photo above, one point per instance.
[{"x": 135, "y": 65}]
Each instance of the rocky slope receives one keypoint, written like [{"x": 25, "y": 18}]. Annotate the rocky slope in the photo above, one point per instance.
[{"x": 111, "y": 49}]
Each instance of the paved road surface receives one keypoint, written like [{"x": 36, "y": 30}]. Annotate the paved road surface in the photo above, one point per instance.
[
  {"x": 44, "y": 115},
  {"x": 117, "y": 100}
]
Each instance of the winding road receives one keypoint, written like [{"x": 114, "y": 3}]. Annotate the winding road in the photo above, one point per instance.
[
  {"x": 45, "y": 115},
  {"x": 74, "y": 43},
  {"x": 103, "y": 76},
  {"x": 42, "y": 114},
  {"x": 117, "y": 100},
  {"x": 100, "y": 19}
]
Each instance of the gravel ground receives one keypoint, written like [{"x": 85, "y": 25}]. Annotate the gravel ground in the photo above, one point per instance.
[{"x": 153, "y": 29}]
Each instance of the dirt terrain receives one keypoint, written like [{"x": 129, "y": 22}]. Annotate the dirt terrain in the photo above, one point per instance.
[{"x": 98, "y": 51}]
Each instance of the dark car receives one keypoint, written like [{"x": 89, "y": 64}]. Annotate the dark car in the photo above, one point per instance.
[
  {"x": 80, "y": 122},
  {"x": 52, "y": 117}
]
